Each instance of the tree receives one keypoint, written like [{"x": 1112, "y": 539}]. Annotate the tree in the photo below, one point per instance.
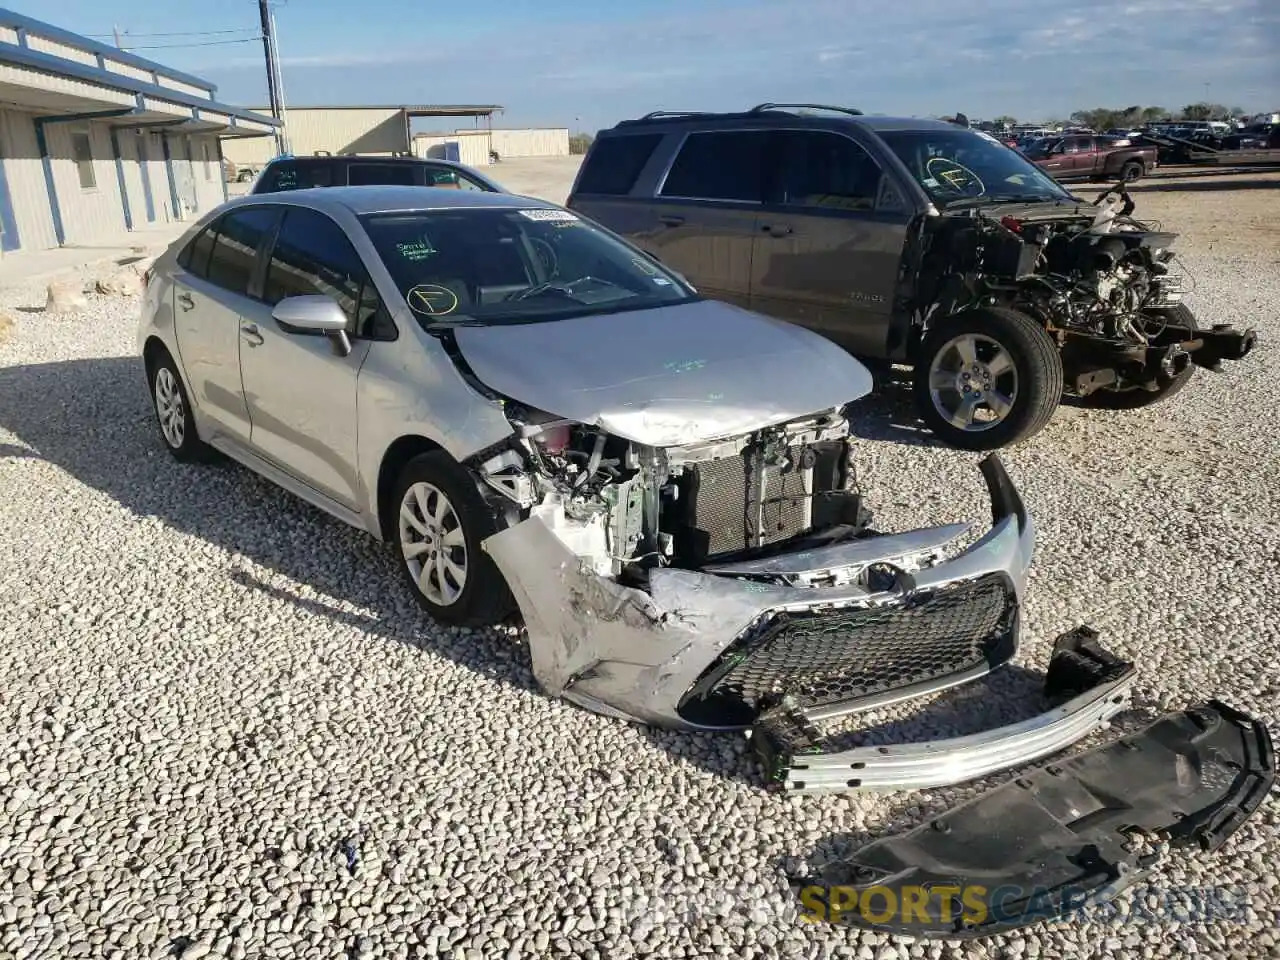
[
  {"x": 1004, "y": 120},
  {"x": 1153, "y": 114},
  {"x": 1203, "y": 111},
  {"x": 579, "y": 143}
]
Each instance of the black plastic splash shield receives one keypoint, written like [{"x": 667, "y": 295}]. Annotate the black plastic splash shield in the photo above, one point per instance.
[{"x": 1059, "y": 839}]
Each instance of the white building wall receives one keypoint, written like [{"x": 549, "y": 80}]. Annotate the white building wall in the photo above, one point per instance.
[
  {"x": 530, "y": 142},
  {"x": 89, "y": 214},
  {"x": 357, "y": 130},
  {"x": 207, "y": 171},
  {"x": 154, "y": 147},
  {"x": 130, "y": 141},
  {"x": 473, "y": 146},
  {"x": 25, "y": 176}
]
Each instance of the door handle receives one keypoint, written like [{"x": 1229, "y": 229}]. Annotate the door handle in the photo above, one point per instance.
[
  {"x": 778, "y": 230},
  {"x": 671, "y": 220},
  {"x": 251, "y": 335},
  {"x": 186, "y": 302}
]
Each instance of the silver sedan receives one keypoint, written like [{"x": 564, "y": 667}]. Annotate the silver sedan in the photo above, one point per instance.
[{"x": 538, "y": 415}]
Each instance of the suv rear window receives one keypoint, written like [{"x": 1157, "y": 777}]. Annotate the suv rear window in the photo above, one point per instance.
[
  {"x": 719, "y": 166},
  {"x": 377, "y": 174},
  {"x": 615, "y": 162}
]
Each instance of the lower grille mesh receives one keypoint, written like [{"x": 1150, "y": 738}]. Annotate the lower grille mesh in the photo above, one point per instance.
[{"x": 834, "y": 656}]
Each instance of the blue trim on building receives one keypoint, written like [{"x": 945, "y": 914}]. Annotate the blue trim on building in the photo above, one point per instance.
[
  {"x": 174, "y": 206},
  {"x": 46, "y": 161},
  {"x": 124, "y": 189},
  {"x": 9, "y": 239},
  {"x": 33, "y": 59},
  {"x": 24, "y": 25}
]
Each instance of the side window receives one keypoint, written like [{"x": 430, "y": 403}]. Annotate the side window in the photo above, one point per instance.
[
  {"x": 366, "y": 174},
  {"x": 240, "y": 236},
  {"x": 82, "y": 153},
  {"x": 194, "y": 257},
  {"x": 312, "y": 255},
  {"x": 719, "y": 166},
  {"x": 296, "y": 176},
  {"x": 449, "y": 179},
  {"x": 823, "y": 169},
  {"x": 615, "y": 162}
]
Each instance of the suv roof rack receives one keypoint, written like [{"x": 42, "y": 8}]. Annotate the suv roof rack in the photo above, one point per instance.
[
  {"x": 755, "y": 111},
  {"x": 762, "y": 107}
]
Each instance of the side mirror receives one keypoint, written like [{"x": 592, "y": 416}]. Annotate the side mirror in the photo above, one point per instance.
[{"x": 314, "y": 313}]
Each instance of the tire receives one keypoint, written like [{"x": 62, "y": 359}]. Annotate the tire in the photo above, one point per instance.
[
  {"x": 1131, "y": 171},
  {"x": 1029, "y": 378},
  {"x": 1135, "y": 398},
  {"x": 172, "y": 407},
  {"x": 479, "y": 596}
]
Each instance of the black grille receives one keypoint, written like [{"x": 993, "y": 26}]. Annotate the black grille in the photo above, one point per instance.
[
  {"x": 838, "y": 655},
  {"x": 722, "y": 496}
]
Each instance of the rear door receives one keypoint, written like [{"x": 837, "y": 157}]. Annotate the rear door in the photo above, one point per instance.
[
  {"x": 210, "y": 296},
  {"x": 829, "y": 241},
  {"x": 707, "y": 210}
]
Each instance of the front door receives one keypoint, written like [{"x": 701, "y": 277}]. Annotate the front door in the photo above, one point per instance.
[
  {"x": 302, "y": 396},
  {"x": 210, "y": 294},
  {"x": 829, "y": 241},
  {"x": 707, "y": 212}
]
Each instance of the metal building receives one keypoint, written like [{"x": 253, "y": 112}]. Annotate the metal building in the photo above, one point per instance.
[
  {"x": 358, "y": 129},
  {"x": 95, "y": 141}
]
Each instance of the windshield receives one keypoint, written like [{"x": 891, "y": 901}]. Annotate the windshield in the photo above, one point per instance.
[
  {"x": 508, "y": 266},
  {"x": 956, "y": 165}
]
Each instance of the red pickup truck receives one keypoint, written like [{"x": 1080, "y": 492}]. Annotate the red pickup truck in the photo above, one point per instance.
[{"x": 1080, "y": 156}]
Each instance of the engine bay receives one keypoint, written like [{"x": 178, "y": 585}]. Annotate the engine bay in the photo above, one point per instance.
[{"x": 626, "y": 508}]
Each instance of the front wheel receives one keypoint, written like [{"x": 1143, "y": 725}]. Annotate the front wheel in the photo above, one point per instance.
[
  {"x": 441, "y": 523},
  {"x": 1135, "y": 398},
  {"x": 987, "y": 378}
]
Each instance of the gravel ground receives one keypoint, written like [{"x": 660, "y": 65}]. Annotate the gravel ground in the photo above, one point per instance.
[{"x": 226, "y": 730}]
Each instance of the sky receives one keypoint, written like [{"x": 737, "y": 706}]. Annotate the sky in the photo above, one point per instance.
[{"x": 586, "y": 64}]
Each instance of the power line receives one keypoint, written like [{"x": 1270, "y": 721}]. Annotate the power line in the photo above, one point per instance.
[
  {"x": 173, "y": 46},
  {"x": 187, "y": 33}
]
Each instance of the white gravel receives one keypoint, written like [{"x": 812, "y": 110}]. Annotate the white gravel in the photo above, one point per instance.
[{"x": 225, "y": 730}]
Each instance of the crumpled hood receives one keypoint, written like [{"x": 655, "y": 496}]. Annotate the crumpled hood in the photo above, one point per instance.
[{"x": 667, "y": 376}]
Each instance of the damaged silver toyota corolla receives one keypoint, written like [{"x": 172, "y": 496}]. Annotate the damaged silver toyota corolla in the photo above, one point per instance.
[{"x": 539, "y": 413}]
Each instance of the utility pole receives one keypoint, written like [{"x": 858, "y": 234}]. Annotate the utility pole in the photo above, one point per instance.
[
  {"x": 116, "y": 33},
  {"x": 264, "y": 14}
]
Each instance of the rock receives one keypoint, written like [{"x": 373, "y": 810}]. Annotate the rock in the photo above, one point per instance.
[
  {"x": 6, "y": 326},
  {"x": 66, "y": 296},
  {"x": 123, "y": 283}
]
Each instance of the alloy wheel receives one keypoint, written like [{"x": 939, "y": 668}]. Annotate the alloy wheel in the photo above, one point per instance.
[
  {"x": 973, "y": 382},
  {"x": 170, "y": 409},
  {"x": 433, "y": 543}
]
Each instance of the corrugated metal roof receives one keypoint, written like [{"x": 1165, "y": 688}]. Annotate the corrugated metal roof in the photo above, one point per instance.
[{"x": 422, "y": 110}]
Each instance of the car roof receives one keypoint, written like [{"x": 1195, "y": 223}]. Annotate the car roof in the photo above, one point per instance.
[
  {"x": 767, "y": 118},
  {"x": 392, "y": 198},
  {"x": 365, "y": 158}
]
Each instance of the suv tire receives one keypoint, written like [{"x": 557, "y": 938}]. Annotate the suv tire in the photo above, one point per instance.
[
  {"x": 1135, "y": 398},
  {"x": 993, "y": 360},
  {"x": 442, "y": 535}
]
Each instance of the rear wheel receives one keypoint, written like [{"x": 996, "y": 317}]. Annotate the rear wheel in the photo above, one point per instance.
[
  {"x": 173, "y": 412},
  {"x": 1134, "y": 398},
  {"x": 987, "y": 378},
  {"x": 1131, "y": 171}
]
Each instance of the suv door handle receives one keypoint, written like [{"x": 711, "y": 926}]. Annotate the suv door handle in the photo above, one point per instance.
[
  {"x": 251, "y": 335},
  {"x": 778, "y": 230},
  {"x": 671, "y": 220},
  {"x": 186, "y": 302}
]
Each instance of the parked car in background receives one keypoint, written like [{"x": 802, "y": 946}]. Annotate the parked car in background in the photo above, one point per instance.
[
  {"x": 1090, "y": 157},
  {"x": 915, "y": 242},
  {"x": 325, "y": 170}
]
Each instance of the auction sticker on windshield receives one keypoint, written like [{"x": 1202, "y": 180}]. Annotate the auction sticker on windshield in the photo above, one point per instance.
[
  {"x": 431, "y": 299},
  {"x": 549, "y": 216}
]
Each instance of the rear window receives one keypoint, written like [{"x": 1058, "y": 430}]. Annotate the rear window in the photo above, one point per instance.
[
  {"x": 719, "y": 166},
  {"x": 290, "y": 175},
  {"x": 614, "y": 164}
]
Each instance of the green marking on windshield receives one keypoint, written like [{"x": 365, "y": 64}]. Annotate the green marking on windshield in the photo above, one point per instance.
[{"x": 684, "y": 366}]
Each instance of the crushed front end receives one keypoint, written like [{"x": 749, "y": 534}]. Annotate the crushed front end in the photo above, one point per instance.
[{"x": 694, "y": 586}]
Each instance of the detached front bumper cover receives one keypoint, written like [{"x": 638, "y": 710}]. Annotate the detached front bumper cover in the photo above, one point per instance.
[
  {"x": 1060, "y": 840},
  {"x": 1086, "y": 684}
]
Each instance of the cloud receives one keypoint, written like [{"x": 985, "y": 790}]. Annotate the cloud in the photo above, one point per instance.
[{"x": 923, "y": 57}]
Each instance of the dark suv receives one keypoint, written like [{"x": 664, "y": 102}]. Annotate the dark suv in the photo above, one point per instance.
[
  {"x": 915, "y": 242},
  {"x": 325, "y": 170}
]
